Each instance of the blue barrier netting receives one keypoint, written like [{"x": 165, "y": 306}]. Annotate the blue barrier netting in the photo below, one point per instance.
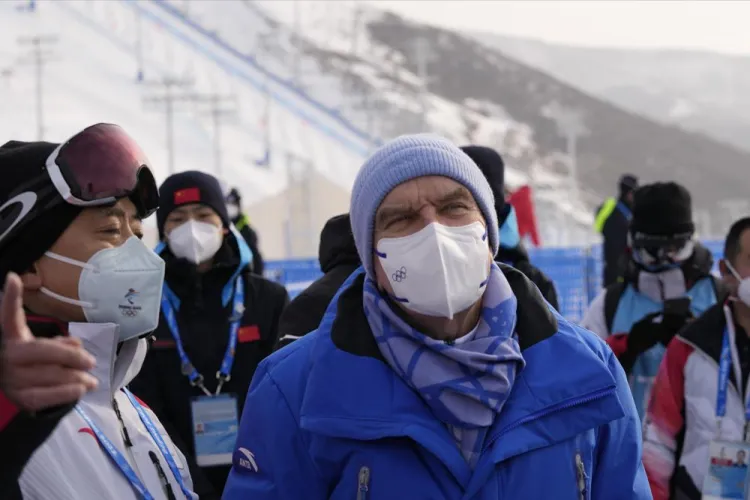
[{"x": 576, "y": 271}]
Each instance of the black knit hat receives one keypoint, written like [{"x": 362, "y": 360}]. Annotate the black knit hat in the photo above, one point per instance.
[
  {"x": 492, "y": 166},
  {"x": 187, "y": 188},
  {"x": 627, "y": 183},
  {"x": 662, "y": 212},
  {"x": 32, "y": 214}
]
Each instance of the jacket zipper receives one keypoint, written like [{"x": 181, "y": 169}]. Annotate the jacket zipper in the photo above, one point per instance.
[
  {"x": 126, "y": 438},
  {"x": 363, "y": 484},
  {"x": 581, "y": 475},
  {"x": 162, "y": 476},
  {"x": 592, "y": 397}
]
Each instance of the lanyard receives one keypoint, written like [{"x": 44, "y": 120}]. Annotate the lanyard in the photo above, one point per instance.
[
  {"x": 725, "y": 364},
  {"x": 625, "y": 210},
  {"x": 223, "y": 375},
  {"x": 156, "y": 436},
  {"x": 120, "y": 460},
  {"x": 116, "y": 457}
]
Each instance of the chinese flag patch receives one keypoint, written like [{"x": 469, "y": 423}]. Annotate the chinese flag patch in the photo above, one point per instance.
[
  {"x": 189, "y": 195},
  {"x": 249, "y": 333}
]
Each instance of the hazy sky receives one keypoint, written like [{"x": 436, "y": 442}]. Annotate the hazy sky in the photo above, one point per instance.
[{"x": 714, "y": 25}]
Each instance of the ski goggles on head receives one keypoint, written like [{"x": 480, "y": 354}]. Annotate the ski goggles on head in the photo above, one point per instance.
[{"x": 101, "y": 164}]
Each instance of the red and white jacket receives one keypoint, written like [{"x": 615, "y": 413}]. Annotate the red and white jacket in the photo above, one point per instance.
[{"x": 681, "y": 417}]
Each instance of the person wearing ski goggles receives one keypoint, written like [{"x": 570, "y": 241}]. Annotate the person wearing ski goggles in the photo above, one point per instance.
[{"x": 82, "y": 292}]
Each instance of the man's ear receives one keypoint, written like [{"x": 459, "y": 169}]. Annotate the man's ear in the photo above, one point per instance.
[{"x": 31, "y": 279}]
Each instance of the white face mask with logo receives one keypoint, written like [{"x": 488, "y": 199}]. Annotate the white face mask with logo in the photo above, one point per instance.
[
  {"x": 195, "y": 241},
  {"x": 743, "y": 291},
  {"x": 119, "y": 285},
  {"x": 439, "y": 270}
]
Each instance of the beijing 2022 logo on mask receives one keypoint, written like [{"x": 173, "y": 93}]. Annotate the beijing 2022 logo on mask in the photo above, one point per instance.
[{"x": 130, "y": 309}]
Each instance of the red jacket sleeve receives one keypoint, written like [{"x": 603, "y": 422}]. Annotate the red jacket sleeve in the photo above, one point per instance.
[
  {"x": 664, "y": 419},
  {"x": 618, "y": 343},
  {"x": 7, "y": 411}
]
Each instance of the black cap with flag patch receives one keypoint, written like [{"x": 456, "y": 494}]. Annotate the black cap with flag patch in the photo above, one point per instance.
[
  {"x": 32, "y": 213},
  {"x": 187, "y": 188}
]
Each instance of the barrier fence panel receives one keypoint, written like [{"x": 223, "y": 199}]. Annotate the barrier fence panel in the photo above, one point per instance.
[{"x": 576, "y": 272}]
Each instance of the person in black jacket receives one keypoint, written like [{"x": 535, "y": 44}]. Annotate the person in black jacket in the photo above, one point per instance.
[
  {"x": 338, "y": 259},
  {"x": 511, "y": 251},
  {"x": 203, "y": 314},
  {"x": 242, "y": 223},
  {"x": 613, "y": 221}
]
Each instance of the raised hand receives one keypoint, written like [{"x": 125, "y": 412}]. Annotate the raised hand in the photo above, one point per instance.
[{"x": 38, "y": 373}]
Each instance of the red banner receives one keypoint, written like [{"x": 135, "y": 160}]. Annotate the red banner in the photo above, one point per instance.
[{"x": 523, "y": 202}]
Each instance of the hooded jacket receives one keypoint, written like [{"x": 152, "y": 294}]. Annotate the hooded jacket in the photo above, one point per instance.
[
  {"x": 203, "y": 322},
  {"x": 327, "y": 418},
  {"x": 71, "y": 464},
  {"x": 518, "y": 257},
  {"x": 338, "y": 259}
]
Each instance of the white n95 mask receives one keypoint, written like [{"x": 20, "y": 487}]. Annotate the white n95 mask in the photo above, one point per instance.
[
  {"x": 119, "y": 285},
  {"x": 439, "y": 270},
  {"x": 195, "y": 241},
  {"x": 743, "y": 291}
]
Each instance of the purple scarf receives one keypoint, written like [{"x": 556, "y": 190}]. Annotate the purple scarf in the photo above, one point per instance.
[{"x": 465, "y": 384}]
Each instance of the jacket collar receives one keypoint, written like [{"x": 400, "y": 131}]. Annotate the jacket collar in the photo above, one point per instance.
[
  {"x": 113, "y": 370},
  {"x": 512, "y": 256},
  {"x": 352, "y": 393}
]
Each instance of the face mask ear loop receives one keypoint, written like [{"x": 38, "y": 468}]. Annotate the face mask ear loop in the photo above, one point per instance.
[
  {"x": 732, "y": 270},
  {"x": 67, "y": 300},
  {"x": 70, "y": 261}
]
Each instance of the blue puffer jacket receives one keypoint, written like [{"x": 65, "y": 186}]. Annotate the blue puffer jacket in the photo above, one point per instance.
[{"x": 327, "y": 418}]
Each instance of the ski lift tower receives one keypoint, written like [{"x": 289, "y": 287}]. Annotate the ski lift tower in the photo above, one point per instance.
[{"x": 571, "y": 126}]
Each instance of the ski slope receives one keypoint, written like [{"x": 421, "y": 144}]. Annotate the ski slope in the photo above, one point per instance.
[
  {"x": 92, "y": 77},
  {"x": 338, "y": 27}
]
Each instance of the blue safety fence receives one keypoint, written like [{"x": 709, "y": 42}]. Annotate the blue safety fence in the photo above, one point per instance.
[{"x": 576, "y": 272}]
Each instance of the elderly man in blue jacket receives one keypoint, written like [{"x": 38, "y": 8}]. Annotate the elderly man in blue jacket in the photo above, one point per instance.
[{"x": 436, "y": 373}]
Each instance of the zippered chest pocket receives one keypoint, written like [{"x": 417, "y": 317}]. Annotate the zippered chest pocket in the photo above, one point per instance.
[{"x": 583, "y": 461}]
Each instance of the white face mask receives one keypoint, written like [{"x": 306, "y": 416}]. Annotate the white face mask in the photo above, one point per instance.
[
  {"x": 119, "y": 285},
  {"x": 743, "y": 291},
  {"x": 233, "y": 210},
  {"x": 439, "y": 270},
  {"x": 195, "y": 241}
]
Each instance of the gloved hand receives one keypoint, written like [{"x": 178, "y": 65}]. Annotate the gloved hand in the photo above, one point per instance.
[
  {"x": 671, "y": 324},
  {"x": 644, "y": 335},
  {"x": 647, "y": 332}
]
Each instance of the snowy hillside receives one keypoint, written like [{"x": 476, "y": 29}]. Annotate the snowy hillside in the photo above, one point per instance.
[
  {"x": 325, "y": 48},
  {"x": 395, "y": 76},
  {"x": 92, "y": 73}
]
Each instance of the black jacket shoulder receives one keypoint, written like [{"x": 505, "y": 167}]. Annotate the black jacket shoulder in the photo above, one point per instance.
[{"x": 705, "y": 332}]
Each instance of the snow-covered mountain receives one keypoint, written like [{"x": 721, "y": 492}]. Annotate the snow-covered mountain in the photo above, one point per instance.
[
  {"x": 699, "y": 91},
  {"x": 317, "y": 89},
  {"x": 398, "y": 76}
]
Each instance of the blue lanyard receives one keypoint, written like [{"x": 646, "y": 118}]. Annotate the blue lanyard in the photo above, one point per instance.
[
  {"x": 625, "y": 210},
  {"x": 116, "y": 457},
  {"x": 238, "y": 309},
  {"x": 725, "y": 363},
  {"x": 156, "y": 436}
]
